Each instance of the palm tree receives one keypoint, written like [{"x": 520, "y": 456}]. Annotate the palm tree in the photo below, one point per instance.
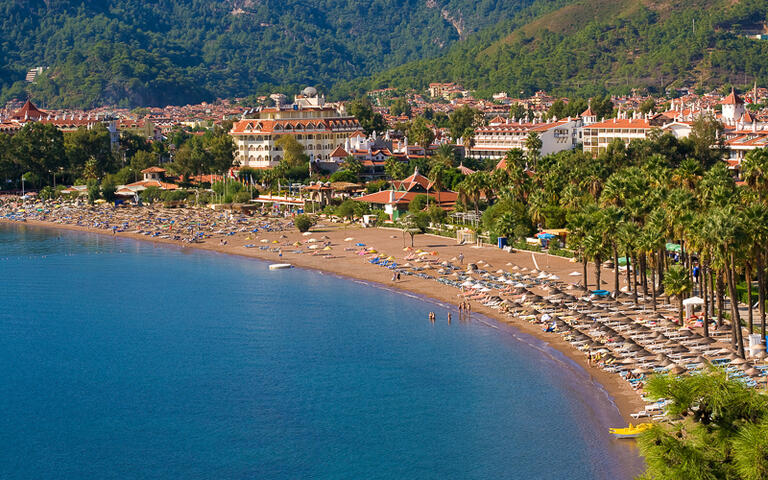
[
  {"x": 472, "y": 187},
  {"x": 755, "y": 173},
  {"x": 677, "y": 283},
  {"x": 611, "y": 217},
  {"x": 722, "y": 223},
  {"x": 627, "y": 234},
  {"x": 533, "y": 146},
  {"x": 754, "y": 170},
  {"x": 436, "y": 174},
  {"x": 594, "y": 249},
  {"x": 445, "y": 154},
  {"x": 648, "y": 243},
  {"x": 688, "y": 174}
]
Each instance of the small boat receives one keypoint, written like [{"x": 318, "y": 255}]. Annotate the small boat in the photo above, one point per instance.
[
  {"x": 632, "y": 431},
  {"x": 280, "y": 266}
]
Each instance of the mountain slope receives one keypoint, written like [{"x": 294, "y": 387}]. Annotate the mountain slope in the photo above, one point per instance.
[
  {"x": 153, "y": 52},
  {"x": 594, "y": 46}
]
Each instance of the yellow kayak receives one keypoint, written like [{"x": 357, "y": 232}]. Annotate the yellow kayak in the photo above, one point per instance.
[{"x": 630, "y": 432}]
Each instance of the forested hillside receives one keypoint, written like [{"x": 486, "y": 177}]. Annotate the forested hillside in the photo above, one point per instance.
[
  {"x": 157, "y": 52},
  {"x": 591, "y": 47}
]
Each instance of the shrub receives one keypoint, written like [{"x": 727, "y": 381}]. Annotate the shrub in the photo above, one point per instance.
[
  {"x": 174, "y": 195},
  {"x": 241, "y": 197},
  {"x": 376, "y": 186},
  {"x": 151, "y": 194},
  {"x": 47, "y": 193},
  {"x": 418, "y": 203},
  {"x": 343, "y": 176},
  {"x": 346, "y": 209},
  {"x": 303, "y": 222}
]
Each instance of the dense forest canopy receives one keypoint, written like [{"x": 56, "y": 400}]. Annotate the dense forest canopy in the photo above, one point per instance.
[
  {"x": 590, "y": 47},
  {"x": 140, "y": 52}
]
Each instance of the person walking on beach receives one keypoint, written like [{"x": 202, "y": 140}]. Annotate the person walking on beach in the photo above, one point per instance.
[
  {"x": 394, "y": 277},
  {"x": 449, "y": 318},
  {"x": 461, "y": 258}
]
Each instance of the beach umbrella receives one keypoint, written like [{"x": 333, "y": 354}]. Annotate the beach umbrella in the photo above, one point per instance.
[
  {"x": 738, "y": 361},
  {"x": 677, "y": 369}
]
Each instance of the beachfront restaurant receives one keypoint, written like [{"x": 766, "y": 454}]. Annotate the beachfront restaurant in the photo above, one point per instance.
[{"x": 396, "y": 200}]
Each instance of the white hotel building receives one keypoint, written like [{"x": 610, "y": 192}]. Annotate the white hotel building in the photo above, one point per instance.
[
  {"x": 501, "y": 136},
  {"x": 318, "y": 126}
]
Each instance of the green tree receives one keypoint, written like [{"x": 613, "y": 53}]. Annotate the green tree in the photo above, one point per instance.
[
  {"x": 352, "y": 164},
  {"x": 462, "y": 119},
  {"x": 677, "y": 283},
  {"x": 723, "y": 431},
  {"x": 38, "y": 148},
  {"x": 420, "y": 132},
  {"x": 395, "y": 169},
  {"x": 90, "y": 144},
  {"x": 400, "y": 106},
  {"x": 303, "y": 223},
  {"x": 293, "y": 151},
  {"x": 347, "y": 209},
  {"x": 648, "y": 105},
  {"x": 370, "y": 121},
  {"x": 533, "y": 146},
  {"x": 414, "y": 224}
]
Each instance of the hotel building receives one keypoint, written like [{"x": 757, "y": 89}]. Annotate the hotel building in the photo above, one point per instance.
[{"x": 318, "y": 126}]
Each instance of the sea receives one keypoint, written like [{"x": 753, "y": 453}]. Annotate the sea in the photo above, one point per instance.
[{"x": 124, "y": 359}]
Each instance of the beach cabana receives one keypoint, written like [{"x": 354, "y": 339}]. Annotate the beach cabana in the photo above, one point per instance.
[{"x": 691, "y": 303}]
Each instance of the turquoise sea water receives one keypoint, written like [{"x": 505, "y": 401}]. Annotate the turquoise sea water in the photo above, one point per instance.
[{"x": 124, "y": 359}]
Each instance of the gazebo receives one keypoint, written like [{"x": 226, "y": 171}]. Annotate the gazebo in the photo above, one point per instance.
[{"x": 691, "y": 303}]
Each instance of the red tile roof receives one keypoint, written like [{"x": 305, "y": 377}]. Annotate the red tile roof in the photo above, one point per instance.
[
  {"x": 446, "y": 199},
  {"x": 292, "y": 126},
  {"x": 28, "y": 112},
  {"x": 732, "y": 99},
  {"x": 339, "y": 153}
]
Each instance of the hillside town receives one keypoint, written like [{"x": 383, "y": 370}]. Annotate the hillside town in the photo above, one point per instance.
[{"x": 375, "y": 144}]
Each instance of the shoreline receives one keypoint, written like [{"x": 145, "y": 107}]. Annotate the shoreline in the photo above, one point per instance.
[{"x": 625, "y": 399}]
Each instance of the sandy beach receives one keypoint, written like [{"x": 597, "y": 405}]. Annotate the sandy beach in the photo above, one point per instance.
[{"x": 333, "y": 248}]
